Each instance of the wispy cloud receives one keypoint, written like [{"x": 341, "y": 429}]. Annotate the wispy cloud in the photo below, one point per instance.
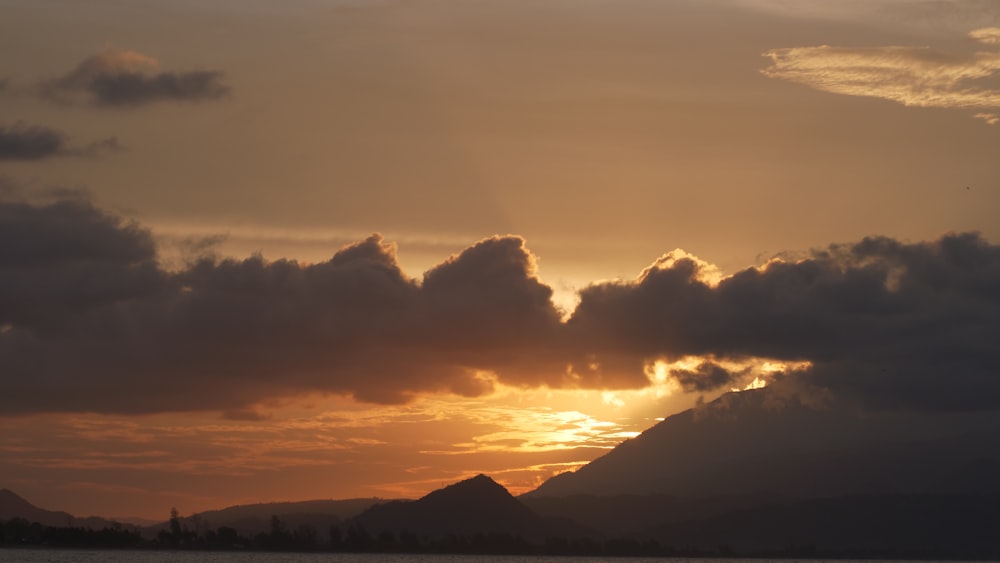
[
  {"x": 987, "y": 35},
  {"x": 912, "y": 76}
]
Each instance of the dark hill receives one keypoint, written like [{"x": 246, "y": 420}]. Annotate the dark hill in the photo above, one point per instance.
[
  {"x": 755, "y": 442},
  {"x": 915, "y": 526},
  {"x": 621, "y": 515},
  {"x": 14, "y": 506},
  {"x": 252, "y": 519},
  {"x": 475, "y": 506}
]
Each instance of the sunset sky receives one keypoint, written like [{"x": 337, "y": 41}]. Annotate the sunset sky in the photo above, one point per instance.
[{"x": 268, "y": 250}]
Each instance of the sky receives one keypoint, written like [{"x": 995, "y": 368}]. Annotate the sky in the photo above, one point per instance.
[{"x": 264, "y": 251}]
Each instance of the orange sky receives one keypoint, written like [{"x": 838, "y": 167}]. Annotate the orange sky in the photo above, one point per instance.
[{"x": 605, "y": 133}]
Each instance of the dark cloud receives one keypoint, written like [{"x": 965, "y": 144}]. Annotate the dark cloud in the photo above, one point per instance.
[
  {"x": 891, "y": 324},
  {"x": 61, "y": 260},
  {"x": 90, "y": 321},
  {"x": 34, "y": 142},
  {"x": 707, "y": 376},
  {"x": 26, "y": 142},
  {"x": 128, "y": 79},
  {"x": 495, "y": 313}
]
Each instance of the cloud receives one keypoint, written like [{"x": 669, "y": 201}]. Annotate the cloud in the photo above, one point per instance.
[
  {"x": 707, "y": 376},
  {"x": 886, "y": 323},
  {"x": 34, "y": 142},
  {"x": 91, "y": 321},
  {"x": 25, "y": 142},
  {"x": 122, "y": 79},
  {"x": 912, "y": 76},
  {"x": 987, "y": 35},
  {"x": 63, "y": 259},
  {"x": 990, "y": 118}
]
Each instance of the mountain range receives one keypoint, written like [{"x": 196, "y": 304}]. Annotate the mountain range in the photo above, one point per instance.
[
  {"x": 474, "y": 506},
  {"x": 752, "y": 443},
  {"x": 252, "y": 519},
  {"x": 14, "y": 506},
  {"x": 754, "y": 472}
]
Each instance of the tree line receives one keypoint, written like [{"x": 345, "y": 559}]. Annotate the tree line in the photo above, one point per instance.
[{"x": 353, "y": 538}]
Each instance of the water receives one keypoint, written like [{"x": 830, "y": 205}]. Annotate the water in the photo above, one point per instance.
[
  {"x": 112, "y": 556},
  {"x": 115, "y": 556}
]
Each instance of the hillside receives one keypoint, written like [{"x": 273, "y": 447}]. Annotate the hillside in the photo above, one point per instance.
[
  {"x": 14, "y": 506},
  {"x": 750, "y": 443},
  {"x": 475, "y": 506},
  {"x": 918, "y": 526},
  {"x": 252, "y": 519},
  {"x": 628, "y": 514}
]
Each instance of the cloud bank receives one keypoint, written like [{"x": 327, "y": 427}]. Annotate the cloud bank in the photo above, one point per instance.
[
  {"x": 34, "y": 142},
  {"x": 125, "y": 79},
  {"x": 912, "y": 76},
  {"x": 888, "y": 323},
  {"x": 90, "y": 321}
]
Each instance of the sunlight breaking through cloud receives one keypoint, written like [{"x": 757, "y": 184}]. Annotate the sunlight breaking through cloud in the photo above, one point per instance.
[{"x": 542, "y": 430}]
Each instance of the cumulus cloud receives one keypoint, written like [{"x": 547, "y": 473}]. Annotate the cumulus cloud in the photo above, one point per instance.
[
  {"x": 34, "y": 142},
  {"x": 120, "y": 78},
  {"x": 912, "y": 76},
  {"x": 91, "y": 321},
  {"x": 887, "y": 323}
]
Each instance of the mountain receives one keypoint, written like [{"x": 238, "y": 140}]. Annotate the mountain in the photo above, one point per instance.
[
  {"x": 14, "y": 506},
  {"x": 918, "y": 526},
  {"x": 251, "y": 519},
  {"x": 624, "y": 515},
  {"x": 475, "y": 506},
  {"x": 757, "y": 442}
]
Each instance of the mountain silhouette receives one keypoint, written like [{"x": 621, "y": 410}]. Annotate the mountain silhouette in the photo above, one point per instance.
[
  {"x": 919, "y": 526},
  {"x": 627, "y": 514},
  {"x": 252, "y": 519},
  {"x": 757, "y": 442},
  {"x": 474, "y": 506},
  {"x": 14, "y": 506}
]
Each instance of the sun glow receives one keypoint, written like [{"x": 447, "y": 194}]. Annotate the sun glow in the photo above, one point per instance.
[{"x": 705, "y": 272}]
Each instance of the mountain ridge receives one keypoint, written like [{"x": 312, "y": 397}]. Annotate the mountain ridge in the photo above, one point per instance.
[
  {"x": 13, "y": 505},
  {"x": 751, "y": 443},
  {"x": 478, "y": 505}
]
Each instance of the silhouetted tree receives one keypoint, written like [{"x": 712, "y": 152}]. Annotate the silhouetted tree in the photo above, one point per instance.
[
  {"x": 386, "y": 541},
  {"x": 175, "y": 526},
  {"x": 358, "y": 539},
  {"x": 304, "y": 537},
  {"x": 335, "y": 537}
]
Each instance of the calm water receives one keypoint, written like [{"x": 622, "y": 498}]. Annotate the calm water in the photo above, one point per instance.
[
  {"x": 109, "y": 556},
  {"x": 94, "y": 556}
]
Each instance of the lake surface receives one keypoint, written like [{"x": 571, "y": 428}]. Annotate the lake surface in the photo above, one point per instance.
[{"x": 114, "y": 556}]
